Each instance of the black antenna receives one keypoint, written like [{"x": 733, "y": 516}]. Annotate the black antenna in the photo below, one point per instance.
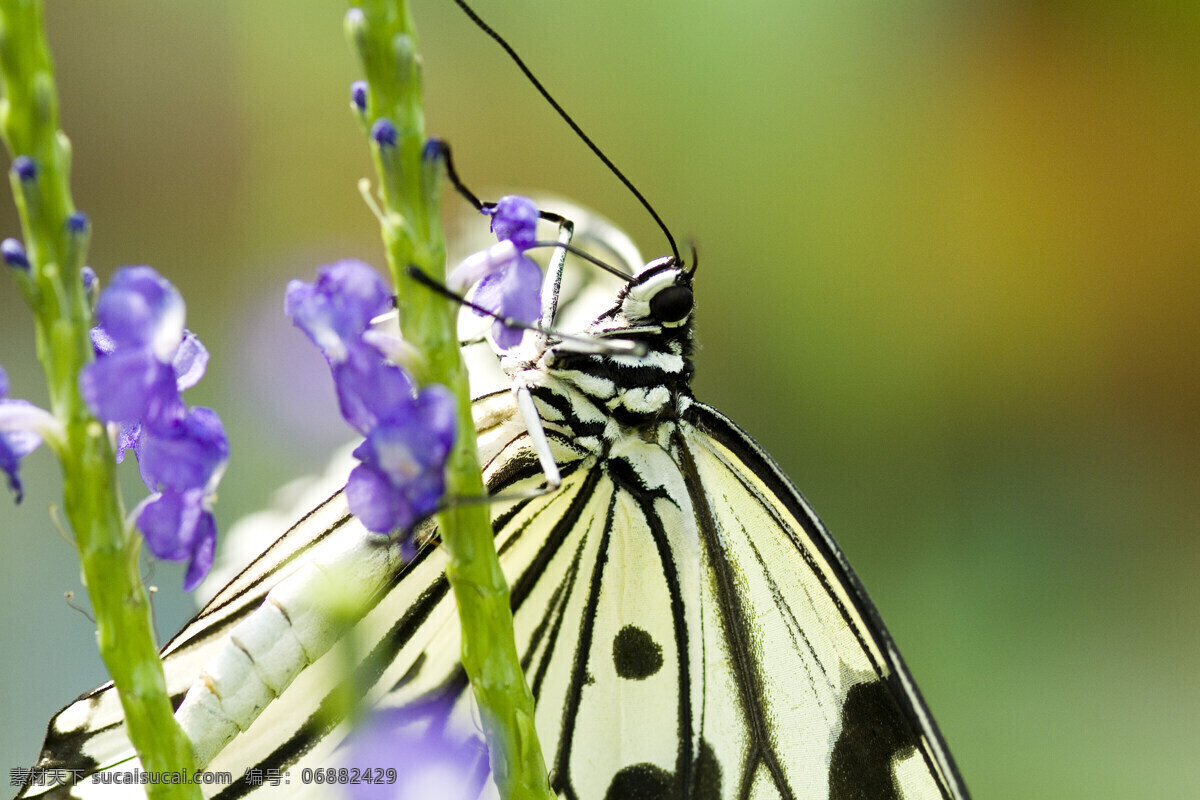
[{"x": 516, "y": 59}]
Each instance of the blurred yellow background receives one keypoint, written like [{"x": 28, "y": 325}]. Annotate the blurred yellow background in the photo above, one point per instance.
[{"x": 950, "y": 272}]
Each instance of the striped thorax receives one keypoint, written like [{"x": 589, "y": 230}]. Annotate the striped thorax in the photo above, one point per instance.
[{"x": 597, "y": 397}]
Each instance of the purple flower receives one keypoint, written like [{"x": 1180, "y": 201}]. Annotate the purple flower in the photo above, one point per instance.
[
  {"x": 336, "y": 310},
  {"x": 402, "y": 474},
  {"x": 90, "y": 282},
  {"x": 137, "y": 387},
  {"x": 128, "y": 385},
  {"x": 144, "y": 360},
  {"x": 509, "y": 282},
  {"x": 179, "y": 526},
  {"x": 129, "y": 437},
  {"x": 184, "y": 465},
  {"x": 25, "y": 168},
  {"x": 13, "y": 253},
  {"x": 384, "y": 132},
  {"x": 358, "y": 95},
  {"x": 428, "y": 762},
  {"x": 369, "y": 389},
  {"x": 408, "y": 435},
  {"x": 512, "y": 291},
  {"x": 191, "y": 454},
  {"x": 514, "y": 219},
  {"x": 23, "y": 426},
  {"x": 141, "y": 308},
  {"x": 190, "y": 361},
  {"x": 336, "y": 314},
  {"x": 139, "y": 336}
]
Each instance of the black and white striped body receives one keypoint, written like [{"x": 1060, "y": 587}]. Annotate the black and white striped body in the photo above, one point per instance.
[
  {"x": 687, "y": 626},
  {"x": 596, "y": 399}
]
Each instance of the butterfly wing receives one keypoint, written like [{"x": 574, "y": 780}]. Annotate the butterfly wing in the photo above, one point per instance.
[
  {"x": 299, "y": 728},
  {"x": 804, "y": 688},
  {"x": 689, "y": 629},
  {"x": 89, "y": 734}
]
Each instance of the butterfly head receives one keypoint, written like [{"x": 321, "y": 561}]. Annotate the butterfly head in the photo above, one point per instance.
[
  {"x": 658, "y": 296},
  {"x": 653, "y": 311}
]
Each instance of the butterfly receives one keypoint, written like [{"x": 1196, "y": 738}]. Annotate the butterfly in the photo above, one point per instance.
[{"x": 686, "y": 623}]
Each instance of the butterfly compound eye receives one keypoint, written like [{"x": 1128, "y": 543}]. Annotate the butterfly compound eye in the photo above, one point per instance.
[{"x": 672, "y": 304}]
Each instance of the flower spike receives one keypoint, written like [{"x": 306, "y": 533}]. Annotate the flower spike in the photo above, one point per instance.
[{"x": 401, "y": 477}]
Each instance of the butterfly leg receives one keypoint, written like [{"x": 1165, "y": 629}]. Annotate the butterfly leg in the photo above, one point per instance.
[
  {"x": 552, "y": 283},
  {"x": 537, "y": 437}
]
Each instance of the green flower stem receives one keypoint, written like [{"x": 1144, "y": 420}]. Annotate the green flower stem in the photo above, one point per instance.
[
  {"x": 107, "y": 550},
  {"x": 410, "y": 187}
]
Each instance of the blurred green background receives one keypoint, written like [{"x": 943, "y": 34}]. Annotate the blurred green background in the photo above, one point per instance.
[{"x": 950, "y": 271}]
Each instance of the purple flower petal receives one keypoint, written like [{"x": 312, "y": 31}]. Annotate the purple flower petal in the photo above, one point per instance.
[
  {"x": 189, "y": 455},
  {"x": 168, "y": 523},
  {"x": 369, "y": 389},
  {"x": 438, "y": 415},
  {"x": 17, "y": 439},
  {"x": 102, "y": 343},
  {"x": 10, "y": 463},
  {"x": 515, "y": 292},
  {"x": 402, "y": 474},
  {"x": 191, "y": 359},
  {"x": 336, "y": 310},
  {"x": 140, "y": 308},
  {"x": 376, "y": 502},
  {"x": 130, "y": 438},
  {"x": 177, "y": 526},
  {"x": 515, "y": 219},
  {"x": 482, "y": 266},
  {"x": 203, "y": 548},
  {"x": 429, "y": 762},
  {"x": 23, "y": 426},
  {"x": 130, "y": 384}
]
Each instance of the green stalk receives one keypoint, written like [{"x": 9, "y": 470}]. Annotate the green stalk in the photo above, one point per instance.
[
  {"x": 384, "y": 38},
  {"x": 108, "y": 551}
]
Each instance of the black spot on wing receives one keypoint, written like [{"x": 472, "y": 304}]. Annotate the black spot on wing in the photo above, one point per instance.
[
  {"x": 636, "y": 655},
  {"x": 706, "y": 776},
  {"x": 874, "y": 736},
  {"x": 642, "y": 782},
  {"x": 650, "y": 782}
]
